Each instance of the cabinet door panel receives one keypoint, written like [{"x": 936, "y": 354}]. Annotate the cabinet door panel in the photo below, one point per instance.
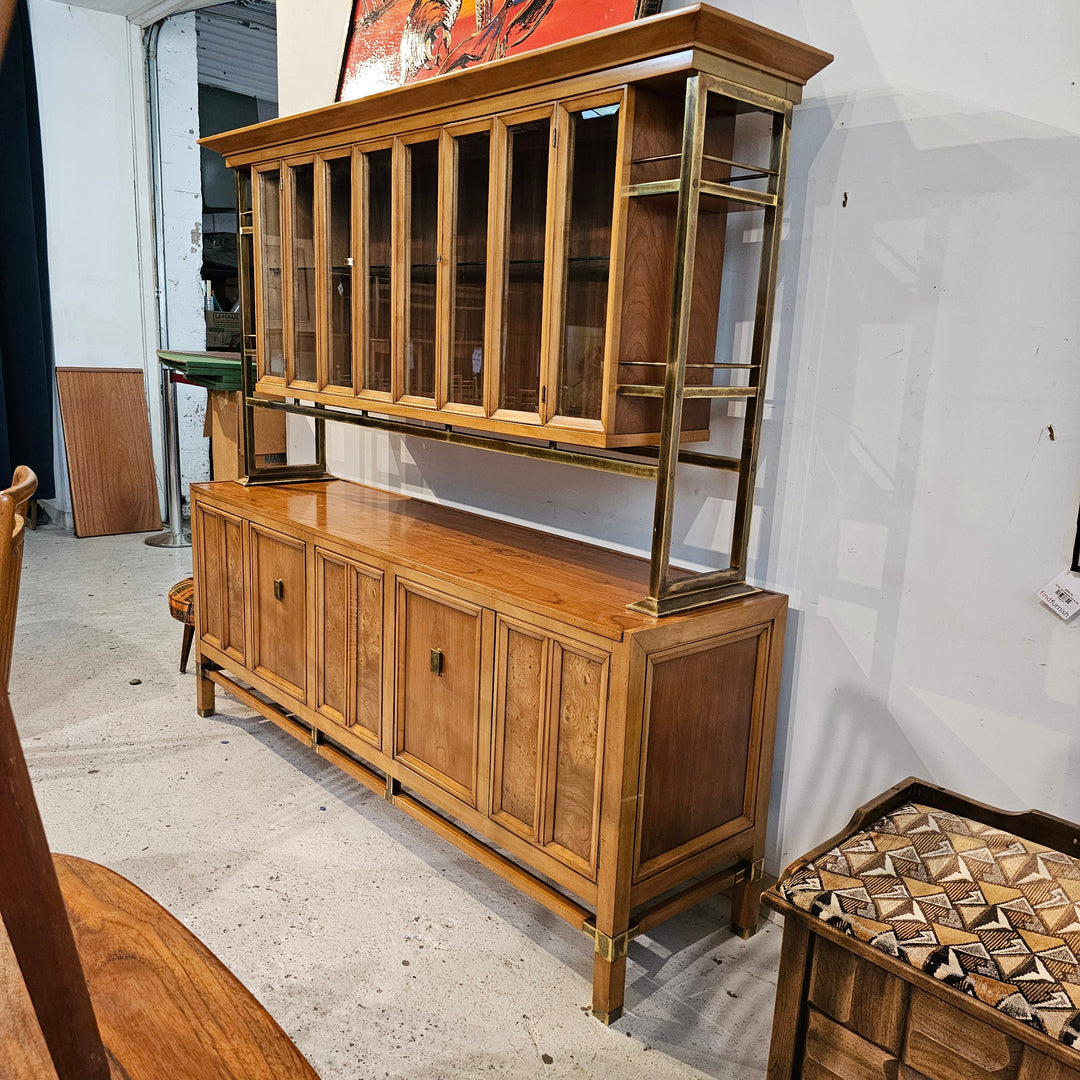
[
  {"x": 468, "y": 276},
  {"x": 338, "y": 281},
  {"x": 586, "y": 259},
  {"x": 519, "y": 727},
  {"x": 438, "y": 684},
  {"x": 550, "y": 706},
  {"x": 221, "y": 582},
  {"x": 703, "y": 715},
  {"x": 524, "y": 265},
  {"x": 577, "y": 717},
  {"x": 376, "y": 172},
  {"x": 268, "y": 267},
  {"x": 349, "y": 644},
  {"x": 301, "y": 360},
  {"x": 421, "y": 269},
  {"x": 279, "y": 610}
]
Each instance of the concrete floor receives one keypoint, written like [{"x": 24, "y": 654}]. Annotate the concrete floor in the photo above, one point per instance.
[{"x": 382, "y": 950}]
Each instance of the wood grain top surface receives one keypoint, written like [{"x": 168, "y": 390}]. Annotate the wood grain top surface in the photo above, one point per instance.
[
  {"x": 574, "y": 582},
  {"x": 166, "y": 1006},
  {"x": 700, "y": 26}
]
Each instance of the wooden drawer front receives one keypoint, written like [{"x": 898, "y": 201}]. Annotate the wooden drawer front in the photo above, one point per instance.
[
  {"x": 348, "y": 644},
  {"x": 861, "y": 996},
  {"x": 701, "y": 745},
  {"x": 834, "y": 1053},
  {"x": 219, "y": 576},
  {"x": 863, "y": 1021},
  {"x": 551, "y": 699},
  {"x": 438, "y": 688},
  {"x": 279, "y": 610},
  {"x": 945, "y": 1043}
]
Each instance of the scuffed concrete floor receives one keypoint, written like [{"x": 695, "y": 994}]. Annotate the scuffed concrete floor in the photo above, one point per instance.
[{"x": 383, "y": 951}]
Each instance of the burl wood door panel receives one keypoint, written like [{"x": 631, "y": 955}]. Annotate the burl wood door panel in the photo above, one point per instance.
[
  {"x": 438, "y": 688},
  {"x": 219, "y": 563},
  {"x": 701, "y": 745},
  {"x": 349, "y": 644},
  {"x": 279, "y": 610},
  {"x": 550, "y": 707}
]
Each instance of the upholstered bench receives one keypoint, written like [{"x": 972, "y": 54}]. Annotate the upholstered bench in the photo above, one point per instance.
[{"x": 934, "y": 937}]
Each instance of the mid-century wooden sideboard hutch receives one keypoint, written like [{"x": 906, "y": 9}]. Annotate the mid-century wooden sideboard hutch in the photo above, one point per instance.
[{"x": 525, "y": 257}]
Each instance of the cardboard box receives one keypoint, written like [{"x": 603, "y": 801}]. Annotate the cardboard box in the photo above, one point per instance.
[
  {"x": 223, "y": 417},
  {"x": 222, "y": 327}
]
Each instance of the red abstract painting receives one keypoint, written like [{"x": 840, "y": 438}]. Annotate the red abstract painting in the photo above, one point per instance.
[{"x": 393, "y": 42}]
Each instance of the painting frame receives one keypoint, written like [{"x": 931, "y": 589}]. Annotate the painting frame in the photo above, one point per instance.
[{"x": 392, "y": 43}]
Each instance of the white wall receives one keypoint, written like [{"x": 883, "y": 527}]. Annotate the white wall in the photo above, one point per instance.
[
  {"x": 95, "y": 149},
  {"x": 181, "y": 184},
  {"x": 88, "y": 67},
  {"x": 910, "y": 499}
]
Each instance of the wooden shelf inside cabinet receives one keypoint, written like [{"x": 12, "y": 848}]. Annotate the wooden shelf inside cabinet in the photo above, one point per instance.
[{"x": 536, "y": 249}]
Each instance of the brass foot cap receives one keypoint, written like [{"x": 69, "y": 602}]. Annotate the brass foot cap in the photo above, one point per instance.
[
  {"x": 206, "y": 712},
  {"x": 607, "y": 1017},
  {"x": 745, "y": 932}
]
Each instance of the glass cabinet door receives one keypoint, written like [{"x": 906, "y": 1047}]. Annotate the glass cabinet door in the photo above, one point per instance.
[
  {"x": 592, "y": 153},
  {"x": 271, "y": 325},
  {"x": 377, "y": 215},
  {"x": 304, "y": 364},
  {"x": 525, "y": 245},
  {"x": 339, "y": 274},
  {"x": 422, "y": 201},
  {"x": 468, "y": 277}
]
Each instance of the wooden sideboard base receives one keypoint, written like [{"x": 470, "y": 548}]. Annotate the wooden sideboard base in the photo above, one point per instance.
[{"x": 490, "y": 682}]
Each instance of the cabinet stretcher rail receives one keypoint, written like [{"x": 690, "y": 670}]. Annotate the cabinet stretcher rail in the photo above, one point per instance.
[{"x": 568, "y": 910}]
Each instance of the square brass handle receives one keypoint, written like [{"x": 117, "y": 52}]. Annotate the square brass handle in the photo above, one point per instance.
[
  {"x": 436, "y": 661},
  {"x": 279, "y": 589}
]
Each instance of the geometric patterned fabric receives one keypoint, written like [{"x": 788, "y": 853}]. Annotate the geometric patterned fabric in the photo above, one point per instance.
[
  {"x": 986, "y": 912},
  {"x": 182, "y": 601}
]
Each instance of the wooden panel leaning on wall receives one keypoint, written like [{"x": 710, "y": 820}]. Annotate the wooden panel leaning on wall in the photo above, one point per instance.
[
  {"x": 109, "y": 454},
  {"x": 612, "y": 765}
]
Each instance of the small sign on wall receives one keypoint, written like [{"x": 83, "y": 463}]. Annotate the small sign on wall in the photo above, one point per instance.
[{"x": 1062, "y": 595}]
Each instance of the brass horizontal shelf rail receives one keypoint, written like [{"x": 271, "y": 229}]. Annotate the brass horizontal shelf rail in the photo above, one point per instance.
[
  {"x": 551, "y": 452},
  {"x": 689, "y": 457},
  {"x": 726, "y": 191},
  {"x": 718, "y": 366},
  {"x": 706, "y": 187},
  {"x": 639, "y": 390},
  {"x": 757, "y": 170}
]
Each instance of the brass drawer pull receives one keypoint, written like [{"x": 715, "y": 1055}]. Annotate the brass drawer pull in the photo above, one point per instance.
[
  {"x": 436, "y": 661},
  {"x": 279, "y": 589}
]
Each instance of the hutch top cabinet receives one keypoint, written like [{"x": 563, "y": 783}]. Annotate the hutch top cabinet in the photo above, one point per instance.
[
  {"x": 569, "y": 254},
  {"x": 497, "y": 249}
]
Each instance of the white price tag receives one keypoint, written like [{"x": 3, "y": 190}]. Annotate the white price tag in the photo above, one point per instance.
[{"x": 1062, "y": 595}]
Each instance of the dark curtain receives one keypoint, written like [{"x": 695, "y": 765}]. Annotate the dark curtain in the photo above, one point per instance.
[
  {"x": 1076, "y": 546},
  {"x": 26, "y": 348}
]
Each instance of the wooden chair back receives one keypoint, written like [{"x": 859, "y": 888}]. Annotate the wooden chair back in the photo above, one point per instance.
[{"x": 13, "y": 502}]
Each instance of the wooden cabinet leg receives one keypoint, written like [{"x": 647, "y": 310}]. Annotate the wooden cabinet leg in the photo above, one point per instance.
[
  {"x": 745, "y": 907},
  {"x": 204, "y": 693},
  {"x": 609, "y": 986},
  {"x": 796, "y": 954}
]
